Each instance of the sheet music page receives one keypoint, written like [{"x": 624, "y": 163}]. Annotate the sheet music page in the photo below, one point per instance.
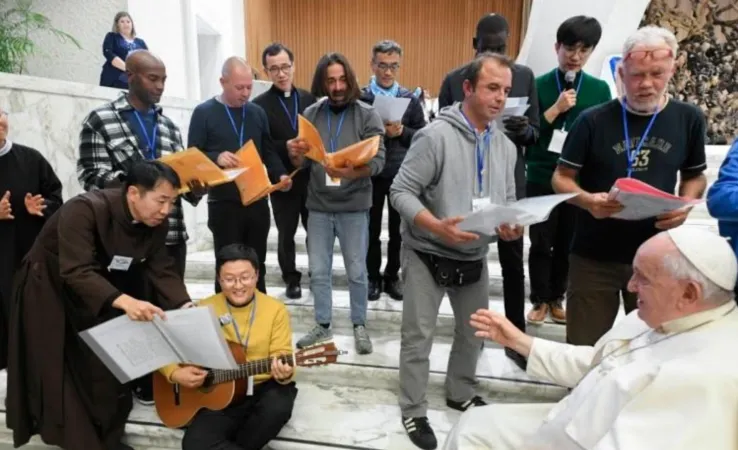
[
  {"x": 195, "y": 334},
  {"x": 643, "y": 206},
  {"x": 129, "y": 349},
  {"x": 391, "y": 109},
  {"x": 525, "y": 212}
]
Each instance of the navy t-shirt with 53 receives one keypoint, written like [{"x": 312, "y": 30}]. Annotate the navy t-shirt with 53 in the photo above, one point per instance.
[{"x": 595, "y": 147}]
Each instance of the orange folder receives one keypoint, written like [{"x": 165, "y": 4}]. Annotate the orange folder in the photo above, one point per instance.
[
  {"x": 357, "y": 154},
  {"x": 253, "y": 183},
  {"x": 193, "y": 165}
]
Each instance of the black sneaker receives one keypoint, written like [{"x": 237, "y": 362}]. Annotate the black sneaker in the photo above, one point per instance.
[
  {"x": 375, "y": 290},
  {"x": 144, "y": 396},
  {"x": 463, "y": 406},
  {"x": 420, "y": 432}
]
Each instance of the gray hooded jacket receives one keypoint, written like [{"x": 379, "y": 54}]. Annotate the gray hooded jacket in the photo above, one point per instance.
[{"x": 439, "y": 174}]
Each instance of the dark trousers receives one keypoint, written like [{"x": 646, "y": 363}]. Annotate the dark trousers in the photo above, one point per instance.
[
  {"x": 593, "y": 299},
  {"x": 550, "y": 242},
  {"x": 380, "y": 190},
  {"x": 513, "y": 280},
  {"x": 233, "y": 223},
  {"x": 248, "y": 425},
  {"x": 289, "y": 208}
]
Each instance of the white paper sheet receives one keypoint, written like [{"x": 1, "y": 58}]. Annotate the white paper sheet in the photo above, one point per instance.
[
  {"x": 515, "y": 101},
  {"x": 391, "y": 109},
  {"x": 132, "y": 349},
  {"x": 233, "y": 173},
  {"x": 644, "y": 206},
  {"x": 525, "y": 212}
]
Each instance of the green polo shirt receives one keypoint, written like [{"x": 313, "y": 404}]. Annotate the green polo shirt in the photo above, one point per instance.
[{"x": 541, "y": 163}]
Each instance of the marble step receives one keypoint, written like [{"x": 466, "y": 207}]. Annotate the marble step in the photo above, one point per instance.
[{"x": 383, "y": 316}]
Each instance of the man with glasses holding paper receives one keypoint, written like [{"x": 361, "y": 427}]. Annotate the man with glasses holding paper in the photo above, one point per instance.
[
  {"x": 646, "y": 136},
  {"x": 563, "y": 94},
  {"x": 403, "y": 115},
  {"x": 283, "y": 102}
]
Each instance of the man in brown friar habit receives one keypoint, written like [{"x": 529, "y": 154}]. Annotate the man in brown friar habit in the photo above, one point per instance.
[{"x": 87, "y": 266}]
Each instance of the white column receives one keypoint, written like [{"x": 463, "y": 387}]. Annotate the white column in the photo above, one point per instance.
[{"x": 192, "y": 56}]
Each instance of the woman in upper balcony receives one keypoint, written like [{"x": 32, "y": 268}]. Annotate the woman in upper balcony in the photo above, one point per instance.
[{"x": 118, "y": 43}]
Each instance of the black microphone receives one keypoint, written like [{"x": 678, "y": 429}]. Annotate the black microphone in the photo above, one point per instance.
[{"x": 569, "y": 78}]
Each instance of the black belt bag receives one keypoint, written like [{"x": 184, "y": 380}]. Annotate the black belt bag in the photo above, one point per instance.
[{"x": 450, "y": 272}]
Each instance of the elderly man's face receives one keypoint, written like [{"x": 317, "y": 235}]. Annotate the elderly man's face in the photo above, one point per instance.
[
  {"x": 646, "y": 72},
  {"x": 661, "y": 296}
]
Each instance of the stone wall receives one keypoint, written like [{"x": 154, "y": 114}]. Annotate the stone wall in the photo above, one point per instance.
[{"x": 707, "y": 73}]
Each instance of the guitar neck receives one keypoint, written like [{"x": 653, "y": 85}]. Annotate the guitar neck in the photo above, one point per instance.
[{"x": 249, "y": 369}]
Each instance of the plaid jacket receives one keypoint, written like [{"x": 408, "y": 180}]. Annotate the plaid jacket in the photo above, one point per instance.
[{"x": 108, "y": 147}]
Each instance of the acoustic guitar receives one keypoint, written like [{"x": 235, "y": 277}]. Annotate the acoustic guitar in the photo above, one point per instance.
[{"x": 178, "y": 405}]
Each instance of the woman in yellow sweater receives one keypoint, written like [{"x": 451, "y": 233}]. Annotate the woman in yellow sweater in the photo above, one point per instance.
[{"x": 261, "y": 324}]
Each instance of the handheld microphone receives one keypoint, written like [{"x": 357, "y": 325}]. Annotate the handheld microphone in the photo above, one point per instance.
[{"x": 569, "y": 78}]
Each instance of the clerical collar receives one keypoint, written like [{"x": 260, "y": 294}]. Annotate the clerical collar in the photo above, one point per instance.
[
  {"x": 694, "y": 320},
  {"x": 233, "y": 305},
  {"x": 280, "y": 93},
  {"x": 5, "y": 149}
]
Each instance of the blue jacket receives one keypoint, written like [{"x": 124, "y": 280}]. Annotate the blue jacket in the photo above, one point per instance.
[
  {"x": 115, "y": 45},
  {"x": 722, "y": 198}
]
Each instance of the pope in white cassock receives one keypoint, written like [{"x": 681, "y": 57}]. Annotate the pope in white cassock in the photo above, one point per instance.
[{"x": 664, "y": 378}]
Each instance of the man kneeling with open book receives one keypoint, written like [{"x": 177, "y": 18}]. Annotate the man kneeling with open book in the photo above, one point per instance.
[{"x": 262, "y": 326}]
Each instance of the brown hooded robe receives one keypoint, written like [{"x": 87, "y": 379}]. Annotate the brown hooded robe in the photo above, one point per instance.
[{"x": 57, "y": 387}]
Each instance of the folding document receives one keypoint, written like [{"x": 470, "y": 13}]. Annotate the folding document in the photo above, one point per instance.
[
  {"x": 131, "y": 349},
  {"x": 193, "y": 165},
  {"x": 253, "y": 183},
  {"x": 357, "y": 154},
  {"x": 524, "y": 212},
  {"x": 643, "y": 201}
]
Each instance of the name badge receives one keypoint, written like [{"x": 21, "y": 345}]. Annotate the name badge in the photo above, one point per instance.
[
  {"x": 557, "y": 141},
  {"x": 122, "y": 263},
  {"x": 332, "y": 182},
  {"x": 225, "y": 319},
  {"x": 250, "y": 387},
  {"x": 480, "y": 203}
]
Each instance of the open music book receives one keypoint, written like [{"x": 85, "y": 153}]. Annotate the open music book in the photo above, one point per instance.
[
  {"x": 193, "y": 165},
  {"x": 253, "y": 183},
  {"x": 643, "y": 201},
  {"x": 131, "y": 349},
  {"x": 357, "y": 154},
  {"x": 527, "y": 211}
]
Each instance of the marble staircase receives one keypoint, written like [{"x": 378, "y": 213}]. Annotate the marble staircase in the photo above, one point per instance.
[{"x": 353, "y": 404}]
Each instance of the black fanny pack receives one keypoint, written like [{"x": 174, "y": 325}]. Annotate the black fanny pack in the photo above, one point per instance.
[{"x": 450, "y": 272}]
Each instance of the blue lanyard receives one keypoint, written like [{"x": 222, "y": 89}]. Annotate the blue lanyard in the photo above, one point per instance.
[
  {"x": 632, "y": 155},
  {"x": 235, "y": 324},
  {"x": 481, "y": 152},
  {"x": 334, "y": 139},
  {"x": 292, "y": 117},
  {"x": 558, "y": 82},
  {"x": 150, "y": 143},
  {"x": 233, "y": 122}
]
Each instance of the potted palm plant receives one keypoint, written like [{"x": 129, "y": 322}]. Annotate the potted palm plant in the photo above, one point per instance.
[{"x": 17, "y": 25}]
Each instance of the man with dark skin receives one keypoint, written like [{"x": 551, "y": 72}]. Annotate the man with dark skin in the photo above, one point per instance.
[{"x": 128, "y": 130}]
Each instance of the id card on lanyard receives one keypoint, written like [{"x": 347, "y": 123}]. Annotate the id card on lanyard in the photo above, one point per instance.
[
  {"x": 632, "y": 154},
  {"x": 481, "y": 150},
  {"x": 559, "y": 136},
  {"x": 245, "y": 343}
]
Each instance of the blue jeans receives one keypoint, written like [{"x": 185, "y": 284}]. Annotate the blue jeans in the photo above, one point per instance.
[{"x": 352, "y": 229}]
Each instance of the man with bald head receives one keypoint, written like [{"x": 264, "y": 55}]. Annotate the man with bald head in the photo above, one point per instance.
[
  {"x": 130, "y": 129},
  {"x": 645, "y": 135},
  {"x": 219, "y": 127},
  {"x": 664, "y": 377}
]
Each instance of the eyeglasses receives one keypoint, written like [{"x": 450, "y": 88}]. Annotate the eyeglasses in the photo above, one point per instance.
[
  {"x": 661, "y": 53},
  {"x": 385, "y": 67},
  {"x": 583, "y": 51},
  {"x": 274, "y": 70},
  {"x": 232, "y": 281}
]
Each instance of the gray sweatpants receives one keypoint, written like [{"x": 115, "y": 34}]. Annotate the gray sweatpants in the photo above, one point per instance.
[{"x": 419, "y": 314}]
